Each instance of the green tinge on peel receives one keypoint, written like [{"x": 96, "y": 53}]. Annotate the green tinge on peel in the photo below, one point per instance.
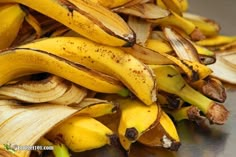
[
  {"x": 60, "y": 150},
  {"x": 124, "y": 92}
]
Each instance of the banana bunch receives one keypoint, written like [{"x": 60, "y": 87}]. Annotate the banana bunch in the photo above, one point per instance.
[{"x": 115, "y": 73}]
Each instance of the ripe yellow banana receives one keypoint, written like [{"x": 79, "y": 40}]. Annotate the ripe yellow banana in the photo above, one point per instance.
[
  {"x": 86, "y": 18},
  {"x": 163, "y": 134},
  {"x": 136, "y": 76},
  {"x": 136, "y": 118},
  {"x": 12, "y": 17},
  {"x": 171, "y": 81},
  {"x": 24, "y": 61},
  {"x": 36, "y": 91},
  {"x": 81, "y": 133},
  {"x": 187, "y": 26}
]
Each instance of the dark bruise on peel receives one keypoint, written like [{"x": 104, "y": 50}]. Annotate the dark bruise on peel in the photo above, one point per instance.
[
  {"x": 195, "y": 75},
  {"x": 71, "y": 7}
]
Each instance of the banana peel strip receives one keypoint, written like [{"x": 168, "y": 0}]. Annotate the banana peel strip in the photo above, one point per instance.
[
  {"x": 225, "y": 68},
  {"x": 25, "y": 125},
  {"x": 146, "y": 11},
  {"x": 142, "y": 29}
]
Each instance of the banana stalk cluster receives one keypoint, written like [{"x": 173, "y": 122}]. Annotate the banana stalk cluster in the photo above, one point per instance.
[{"x": 111, "y": 72}]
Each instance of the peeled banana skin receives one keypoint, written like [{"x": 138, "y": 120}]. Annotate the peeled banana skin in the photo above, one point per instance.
[
  {"x": 136, "y": 76},
  {"x": 163, "y": 134},
  {"x": 87, "y": 18},
  {"x": 131, "y": 126},
  {"x": 27, "y": 61},
  {"x": 12, "y": 17}
]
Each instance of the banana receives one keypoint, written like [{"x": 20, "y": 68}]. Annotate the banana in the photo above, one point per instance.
[
  {"x": 136, "y": 76},
  {"x": 187, "y": 26},
  {"x": 12, "y": 17},
  {"x": 171, "y": 81},
  {"x": 136, "y": 118},
  {"x": 217, "y": 40},
  {"x": 81, "y": 133},
  {"x": 86, "y": 18},
  {"x": 36, "y": 91},
  {"x": 207, "y": 26},
  {"x": 26, "y": 61},
  {"x": 73, "y": 95},
  {"x": 163, "y": 134}
]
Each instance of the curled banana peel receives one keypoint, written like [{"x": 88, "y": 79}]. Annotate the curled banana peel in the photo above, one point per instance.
[
  {"x": 163, "y": 134},
  {"x": 81, "y": 133},
  {"x": 73, "y": 95},
  {"x": 171, "y": 81},
  {"x": 87, "y": 18},
  {"x": 131, "y": 126},
  {"x": 27, "y": 61},
  {"x": 15, "y": 17},
  {"x": 36, "y": 91},
  {"x": 135, "y": 75}
]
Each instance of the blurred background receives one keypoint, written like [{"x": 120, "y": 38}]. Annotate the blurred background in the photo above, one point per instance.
[{"x": 222, "y": 11}]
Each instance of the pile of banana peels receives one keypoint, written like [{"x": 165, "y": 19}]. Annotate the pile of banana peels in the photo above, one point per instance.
[{"x": 78, "y": 75}]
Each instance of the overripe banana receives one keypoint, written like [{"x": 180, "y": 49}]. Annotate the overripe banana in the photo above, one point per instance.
[
  {"x": 87, "y": 18},
  {"x": 12, "y": 17},
  {"x": 163, "y": 134},
  {"x": 81, "y": 133},
  {"x": 136, "y": 76},
  {"x": 27, "y": 61},
  {"x": 171, "y": 81}
]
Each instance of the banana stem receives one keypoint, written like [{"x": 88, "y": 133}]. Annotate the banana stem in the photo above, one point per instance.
[
  {"x": 60, "y": 150},
  {"x": 191, "y": 113}
]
